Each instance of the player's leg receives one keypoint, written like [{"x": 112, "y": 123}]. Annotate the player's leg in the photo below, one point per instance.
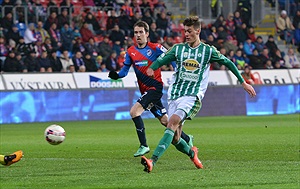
[
  {"x": 12, "y": 158},
  {"x": 179, "y": 109},
  {"x": 135, "y": 113},
  {"x": 159, "y": 111}
]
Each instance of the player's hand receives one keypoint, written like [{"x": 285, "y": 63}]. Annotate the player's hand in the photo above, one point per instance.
[
  {"x": 250, "y": 90},
  {"x": 114, "y": 75},
  {"x": 150, "y": 72}
]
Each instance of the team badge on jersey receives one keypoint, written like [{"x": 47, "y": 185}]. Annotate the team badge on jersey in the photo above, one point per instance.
[
  {"x": 149, "y": 52},
  {"x": 185, "y": 54}
]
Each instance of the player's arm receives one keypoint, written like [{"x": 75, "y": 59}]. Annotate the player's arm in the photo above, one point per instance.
[
  {"x": 163, "y": 59},
  {"x": 123, "y": 72},
  {"x": 221, "y": 59}
]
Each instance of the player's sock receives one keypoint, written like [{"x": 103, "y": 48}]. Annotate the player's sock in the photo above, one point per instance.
[
  {"x": 185, "y": 137},
  {"x": 163, "y": 144},
  {"x": 140, "y": 130},
  {"x": 2, "y": 160},
  {"x": 183, "y": 147}
]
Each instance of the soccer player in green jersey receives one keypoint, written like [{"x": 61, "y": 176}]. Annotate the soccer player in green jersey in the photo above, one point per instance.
[{"x": 189, "y": 84}]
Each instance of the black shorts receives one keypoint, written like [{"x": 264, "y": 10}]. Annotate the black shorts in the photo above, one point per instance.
[{"x": 151, "y": 100}]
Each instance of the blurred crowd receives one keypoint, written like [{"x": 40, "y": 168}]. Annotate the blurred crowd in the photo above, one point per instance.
[{"x": 93, "y": 35}]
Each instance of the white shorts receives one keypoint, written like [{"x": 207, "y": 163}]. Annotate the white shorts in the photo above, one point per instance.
[{"x": 185, "y": 107}]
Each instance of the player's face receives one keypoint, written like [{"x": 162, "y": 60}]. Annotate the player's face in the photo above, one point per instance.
[
  {"x": 141, "y": 36},
  {"x": 191, "y": 35}
]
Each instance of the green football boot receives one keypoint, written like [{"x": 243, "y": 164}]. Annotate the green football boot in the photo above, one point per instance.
[{"x": 142, "y": 151}]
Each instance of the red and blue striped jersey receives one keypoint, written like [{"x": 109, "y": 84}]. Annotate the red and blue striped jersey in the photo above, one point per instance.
[{"x": 141, "y": 59}]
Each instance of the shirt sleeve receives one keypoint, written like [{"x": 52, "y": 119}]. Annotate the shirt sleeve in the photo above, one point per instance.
[
  {"x": 125, "y": 69},
  {"x": 216, "y": 56},
  {"x": 164, "y": 59}
]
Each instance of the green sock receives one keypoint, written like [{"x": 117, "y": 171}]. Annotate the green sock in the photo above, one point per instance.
[
  {"x": 163, "y": 144},
  {"x": 183, "y": 147}
]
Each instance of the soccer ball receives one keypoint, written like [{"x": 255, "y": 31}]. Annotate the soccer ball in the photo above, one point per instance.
[{"x": 55, "y": 134}]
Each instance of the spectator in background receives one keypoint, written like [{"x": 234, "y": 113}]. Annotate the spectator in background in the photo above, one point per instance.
[
  {"x": 66, "y": 61},
  {"x": 230, "y": 24},
  {"x": 213, "y": 42},
  {"x": 13, "y": 36},
  {"x": 160, "y": 6},
  {"x": 205, "y": 32},
  {"x": 278, "y": 58},
  {"x": 48, "y": 46},
  {"x": 153, "y": 33},
  {"x": 21, "y": 47},
  {"x": 7, "y": 22},
  {"x": 248, "y": 47},
  {"x": 112, "y": 62},
  {"x": 8, "y": 4},
  {"x": 50, "y": 20},
  {"x": 222, "y": 35},
  {"x": 66, "y": 4},
  {"x": 55, "y": 36},
  {"x": 121, "y": 59},
  {"x": 269, "y": 64},
  {"x": 92, "y": 20},
  {"x": 248, "y": 76},
  {"x": 78, "y": 46},
  {"x": 240, "y": 61},
  {"x": 39, "y": 48},
  {"x": 11, "y": 64},
  {"x": 100, "y": 64},
  {"x": 291, "y": 60},
  {"x": 136, "y": 7},
  {"x": 86, "y": 33},
  {"x": 92, "y": 48},
  {"x": 52, "y": 6},
  {"x": 44, "y": 62},
  {"x": 145, "y": 6},
  {"x": 285, "y": 27},
  {"x": 127, "y": 8},
  {"x": 169, "y": 42},
  {"x": 147, "y": 17},
  {"x": 219, "y": 21},
  {"x": 277, "y": 65},
  {"x": 118, "y": 38},
  {"x": 241, "y": 33},
  {"x": 237, "y": 19},
  {"x": 105, "y": 48},
  {"x": 125, "y": 23},
  {"x": 255, "y": 60},
  {"x": 40, "y": 32},
  {"x": 137, "y": 17},
  {"x": 264, "y": 56},
  {"x": 112, "y": 20},
  {"x": 79, "y": 62},
  {"x": 162, "y": 24},
  {"x": 21, "y": 61},
  {"x": 29, "y": 35},
  {"x": 296, "y": 24},
  {"x": 251, "y": 34},
  {"x": 89, "y": 63},
  {"x": 271, "y": 45},
  {"x": 259, "y": 44},
  {"x": 63, "y": 18},
  {"x": 245, "y": 7},
  {"x": 30, "y": 62},
  {"x": 88, "y": 3},
  {"x": 55, "y": 62},
  {"x": 230, "y": 55},
  {"x": 67, "y": 37},
  {"x": 230, "y": 44}
]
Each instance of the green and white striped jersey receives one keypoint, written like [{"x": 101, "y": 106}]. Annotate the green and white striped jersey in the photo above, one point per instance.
[{"x": 192, "y": 68}]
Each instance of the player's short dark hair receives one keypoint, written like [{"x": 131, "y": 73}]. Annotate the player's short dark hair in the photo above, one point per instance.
[
  {"x": 192, "y": 21},
  {"x": 142, "y": 24}
]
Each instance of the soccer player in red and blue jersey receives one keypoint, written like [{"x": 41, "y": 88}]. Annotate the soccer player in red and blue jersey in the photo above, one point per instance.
[{"x": 140, "y": 57}]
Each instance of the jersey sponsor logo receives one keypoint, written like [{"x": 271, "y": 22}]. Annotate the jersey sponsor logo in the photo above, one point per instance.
[
  {"x": 141, "y": 63},
  {"x": 149, "y": 52},
  {"x": 189, "y": 76},
  {"x": 191, "y": 64},
  {"x": 96, "y": 82}
]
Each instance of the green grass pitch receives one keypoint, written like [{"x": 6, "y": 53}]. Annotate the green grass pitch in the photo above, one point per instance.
[{"x": 237, "y": 152}]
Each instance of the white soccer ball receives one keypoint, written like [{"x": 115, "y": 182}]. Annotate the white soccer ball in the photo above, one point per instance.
[{"x": 55, "y": 134}]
